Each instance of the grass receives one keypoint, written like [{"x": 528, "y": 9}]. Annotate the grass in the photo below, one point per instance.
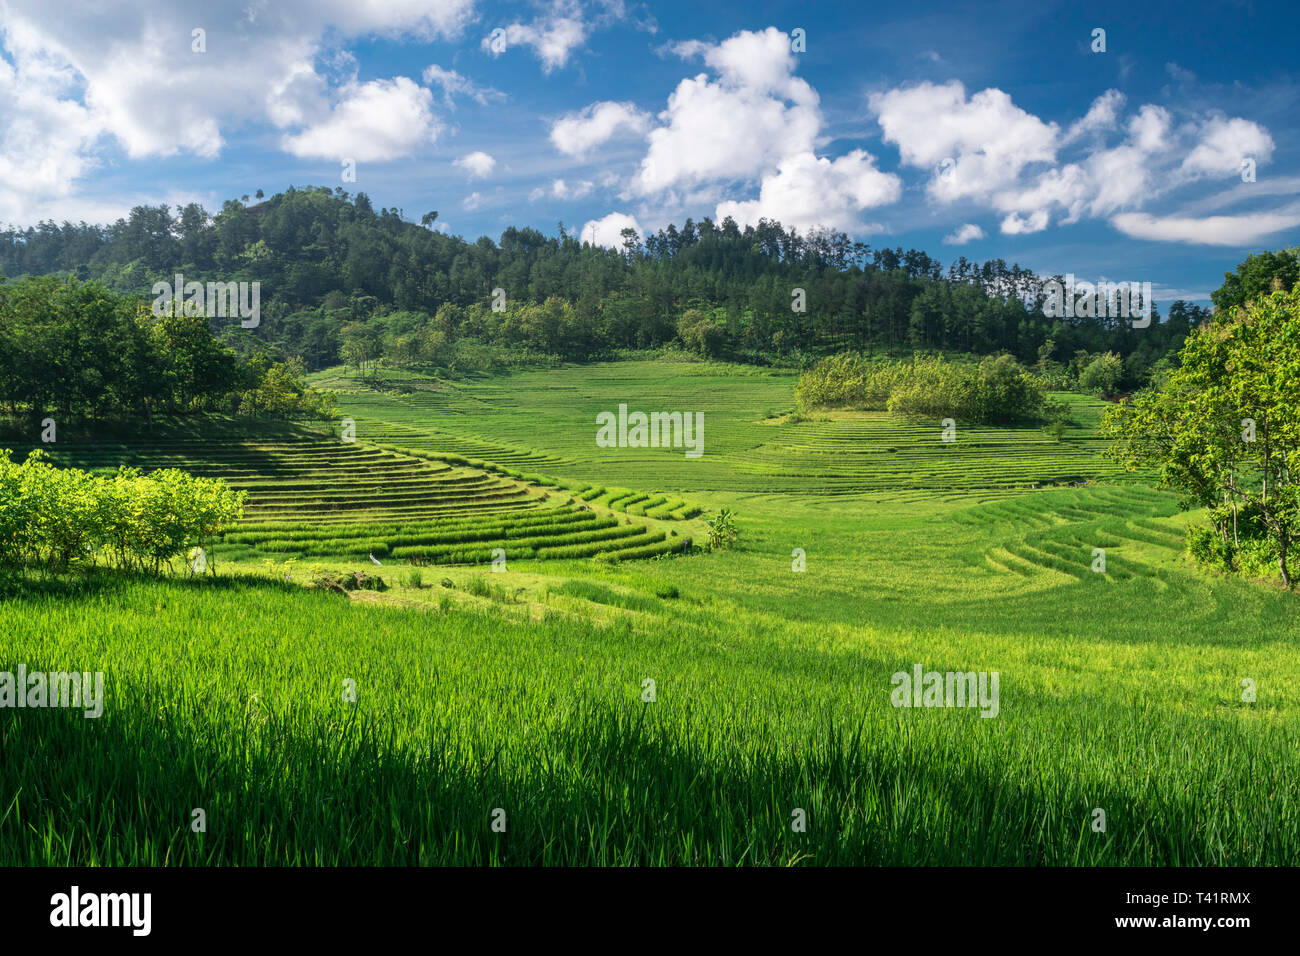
[
  {"x": 523, "y": 690},
  {"x": 316, "y": 497}
]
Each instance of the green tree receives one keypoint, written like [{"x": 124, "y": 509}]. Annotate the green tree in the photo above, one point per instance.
[
  {"x": 701, "y": 334},
  {"x": 1102, "y": 374},
  {"x": 1257, "y": 276},
  {"x": 1225, "y": 429}
]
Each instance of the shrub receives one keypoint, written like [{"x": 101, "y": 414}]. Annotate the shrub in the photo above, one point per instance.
[
  {"x": 722, "y": 529},
  {"x": 1208, "y": 548},
  {"x": 701, "y": 334},
  {"x": 54, "y": 518},
  {"x": 996, "y": 390},
  {"x": 342, "y": 581},
  {"x": 1102, "y": 375}
]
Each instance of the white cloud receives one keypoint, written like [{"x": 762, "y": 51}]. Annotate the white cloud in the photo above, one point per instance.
[
  {"x": 563, "y": 27},
  {"x": 985, "y": 149},
  {"x": 297, "y": 96},
  {"x": 1102, "y": 116},
  {"x": 553, "y": 37},
  {"x": 607, "y": 231},
  {"x": 750, "y": 123},
  {"x": 761, "y": 61},
  {"x": 1224, "y": 143},
  {"x": 737, "y": 127},
  {"x": 967, "y": 232},
  {"x": 1017, "y": 225},
  {"x": 454, "y": 84},
  {"x": 472, "y": 202},
  {"x": 807, "y": 192},
  {"x": 578, "y": 133},
  {"x": 125, "y": 70},
  {"x": 46, "y": 142},
  {"x": 477, "y": 164},
  {"x": 979, "y": 145},
  {"x": 372, "y": 122},
  {"x": 1243, "y": 230},
  {"x": 559, "y": 189}
]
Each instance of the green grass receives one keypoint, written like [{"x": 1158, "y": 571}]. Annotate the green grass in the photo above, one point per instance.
[
  {"x": 547, "y": 418},
  {"x": 316, "y": 496},
  {"x": 522, "y": 690}
]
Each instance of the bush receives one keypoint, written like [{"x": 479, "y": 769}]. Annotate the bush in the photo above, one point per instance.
[
  {"x": 1208, "y": 548},
  {"x": 55, "y": 518},
  {"x": 722, "y": 529},
  {"x": 1257, "y": 558},
  {"x": 848, "y": 380},
  {"x": 1102, "y": 375},
  {"x": 343, "y": 581},
  {"x": 996, "y": 390},
  {"x": 701, "y": 334}
]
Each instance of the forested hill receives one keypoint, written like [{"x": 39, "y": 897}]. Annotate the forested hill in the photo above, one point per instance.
[{"x": 342, "y": 281}]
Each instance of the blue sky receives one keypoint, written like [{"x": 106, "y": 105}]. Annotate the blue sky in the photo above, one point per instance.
[{"x": 985, "y": 130}]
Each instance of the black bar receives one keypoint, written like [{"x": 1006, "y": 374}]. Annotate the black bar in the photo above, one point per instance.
[{"x": 942, "y": 906}]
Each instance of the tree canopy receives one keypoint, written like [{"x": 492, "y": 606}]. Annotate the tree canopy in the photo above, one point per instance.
[
  {"x": 342, "y": 282},
  {"x": 1225, "y": 429}
]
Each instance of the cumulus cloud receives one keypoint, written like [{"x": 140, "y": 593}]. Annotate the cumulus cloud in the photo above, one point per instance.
[
  {"x": 578, "y": 133},
  {"x": 45, "y": 143},
  {"x": 745, "y": 123},
  {"x": 1224, "y": 143},
  {"x": 967, "y": 232},
  {"x": 807, "y": 191},
  {"x": 563, "y": 28},
  {"x": 371, "y": 122},
  {"x": 553, "y": 37},
  {"x": 128, "y": 73},
  {"x": 607, "y": 231},
  {"x": 977, "y": 144},
  {"x": 738, "y": 126},
  {"x": 1101, "y": 117},
  {"x": 1018, "y": 225},
  {"x": 477, "y": 164},
  {"x": 984, "y": 149}
]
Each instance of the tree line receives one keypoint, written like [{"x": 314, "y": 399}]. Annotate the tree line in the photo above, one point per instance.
[
  {"x": 344, "y": 282},
  {"x": 76, "y": 350}
]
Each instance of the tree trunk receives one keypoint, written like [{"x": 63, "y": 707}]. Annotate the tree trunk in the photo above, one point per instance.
[{"x": 1281, "y": 561}]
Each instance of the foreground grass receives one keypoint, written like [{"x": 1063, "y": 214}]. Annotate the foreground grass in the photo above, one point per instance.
[{"x": 772, "y": 694}]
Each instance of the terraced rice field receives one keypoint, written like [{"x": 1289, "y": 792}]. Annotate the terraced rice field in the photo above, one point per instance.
[
  {"x": 773, "y": 661},
  {"x": 322, "y": 497},
  {"x": 751, "y": 443}
]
